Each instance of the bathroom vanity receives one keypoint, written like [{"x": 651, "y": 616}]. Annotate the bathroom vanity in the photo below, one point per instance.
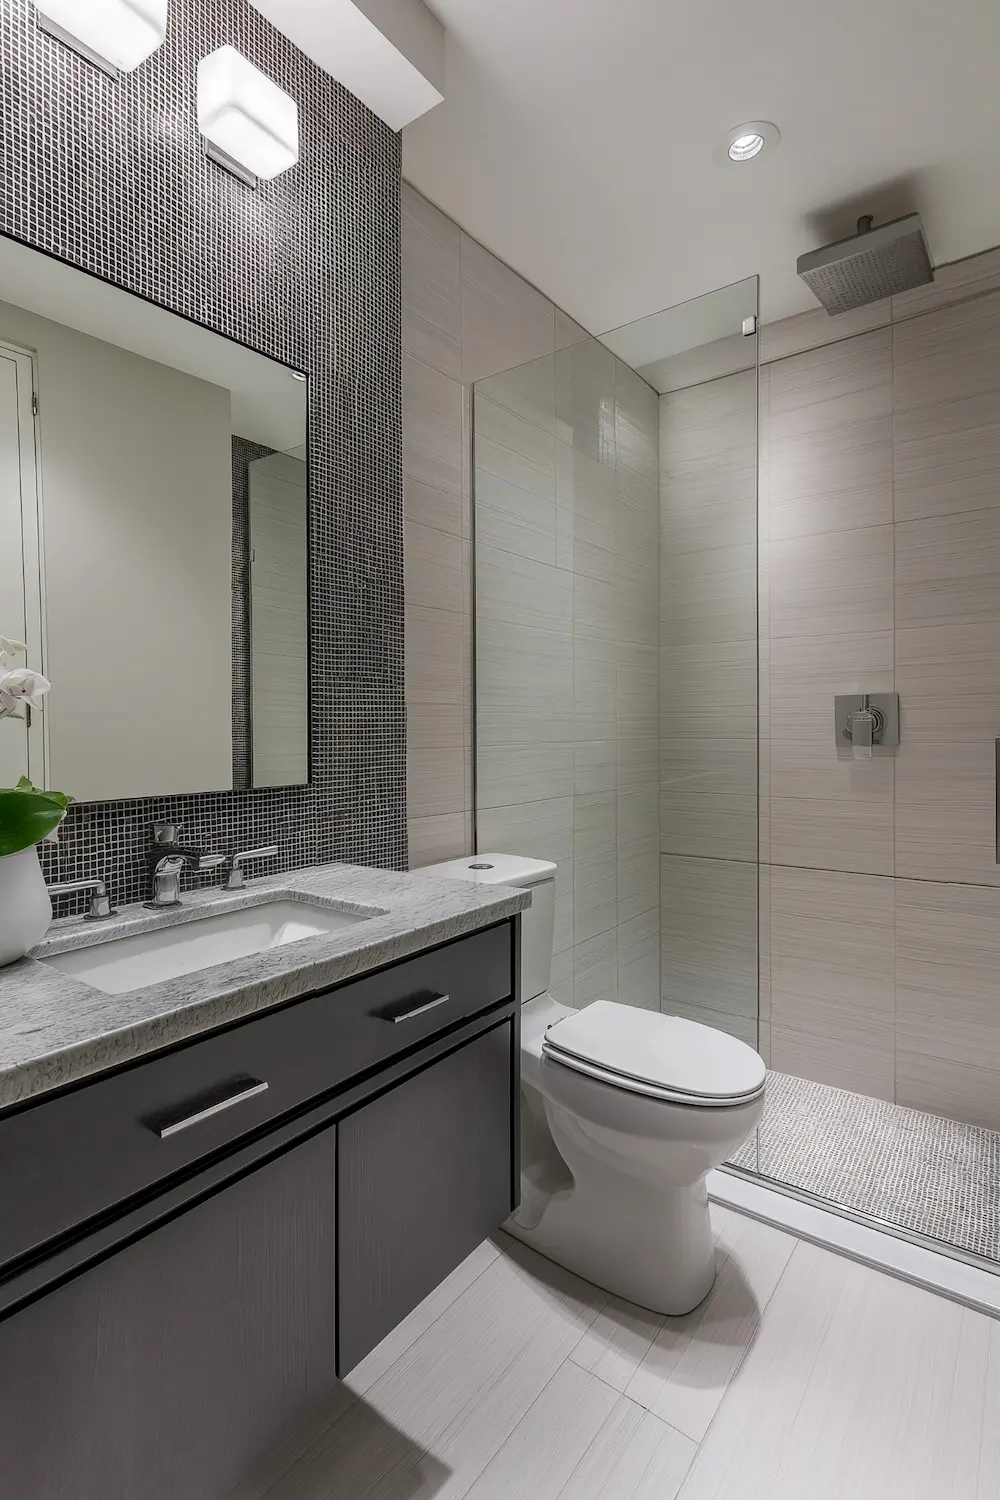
[{"x": 222, "y": 1189}]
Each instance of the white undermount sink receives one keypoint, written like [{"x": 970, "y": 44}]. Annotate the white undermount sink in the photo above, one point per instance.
[{"x": 131, "y": 963}]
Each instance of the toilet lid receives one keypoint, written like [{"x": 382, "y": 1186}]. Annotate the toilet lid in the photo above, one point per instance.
[{"x": 650, "y": 1053}]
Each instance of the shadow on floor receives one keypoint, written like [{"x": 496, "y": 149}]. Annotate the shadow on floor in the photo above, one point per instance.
[{"x": 345, "y": 1450}]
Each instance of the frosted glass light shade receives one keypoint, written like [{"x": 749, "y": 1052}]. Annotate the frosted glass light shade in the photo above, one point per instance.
[
  {"x": 121, "y": 32},
  {"x": 245, "y": 115}
]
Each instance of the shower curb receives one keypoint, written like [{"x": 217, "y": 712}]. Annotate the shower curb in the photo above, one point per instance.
[{"x": 942, "y": 1272}]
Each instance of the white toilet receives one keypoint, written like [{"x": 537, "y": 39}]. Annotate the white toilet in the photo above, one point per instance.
[{"x": 624, "y": 1114}]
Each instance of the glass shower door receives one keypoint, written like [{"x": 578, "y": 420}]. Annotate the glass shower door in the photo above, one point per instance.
[{"x": 616, "y": 652}]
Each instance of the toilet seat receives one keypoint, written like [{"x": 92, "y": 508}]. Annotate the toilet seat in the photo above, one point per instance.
[{"x": 661, "y": 1057}]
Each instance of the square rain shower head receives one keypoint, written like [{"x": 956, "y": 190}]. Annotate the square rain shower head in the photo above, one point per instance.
[{"x": 870, "y": 265}]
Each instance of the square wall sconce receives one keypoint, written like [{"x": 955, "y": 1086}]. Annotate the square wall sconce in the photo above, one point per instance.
[
  {"x": 115, "y": 35},
  {"x": 250, "y": 125}
]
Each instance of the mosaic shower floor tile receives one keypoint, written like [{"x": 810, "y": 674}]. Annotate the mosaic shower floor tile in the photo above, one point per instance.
[{"x": 920, "y": 1172}]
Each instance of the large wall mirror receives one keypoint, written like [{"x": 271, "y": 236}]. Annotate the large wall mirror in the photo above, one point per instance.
[{"x": 153, "y": 543}]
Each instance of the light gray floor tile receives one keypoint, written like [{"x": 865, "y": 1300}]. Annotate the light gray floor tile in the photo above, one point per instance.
[
  {"x": 690, "y": 1363},
  {"x": 403, "y": 1337},
  {"x": 859, "y": 1387}
]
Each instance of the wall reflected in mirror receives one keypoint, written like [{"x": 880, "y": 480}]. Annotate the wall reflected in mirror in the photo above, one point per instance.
[{"x": 153, "y": 543}]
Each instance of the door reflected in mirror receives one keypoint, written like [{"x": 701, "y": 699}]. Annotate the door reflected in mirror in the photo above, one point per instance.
[{"x": 153, "y": 544}]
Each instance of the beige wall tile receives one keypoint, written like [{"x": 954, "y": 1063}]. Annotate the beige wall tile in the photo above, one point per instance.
[
  {"x": 432, "y": 428},
  {"x": 837, "y": 584},
  {"x": 595, "y": 968},
  {"x": 743, "y": 1027},
  {"x": 435, "y": 668},
  {"x": 439, "y": 838},
  {"x": 509, "y": 774},
  {"x": 432, "y": 285},
  {"x": 810, "y": 330},
  {"x": 516, "y": 590},
  {"x": 638, "y": 760},
  {"x": 948, "y": 410},
  {"x": 638, "y": 876},
  {"x": 438, "y": 779},
  {"x": 839, "y": 479},
  {"x": 709, "y": 935},
  {"x": 952, "y": 282},
  {"x": 708, "y": 795},
  {"x": 959, "y": 1091},
  {"x": 827, "y": 810},
  {"x": 708, "y": 689},
  {"x": 433, "y": 567},
  {"x": 505, "y": 322},
  {"x": 948, "y": 570},
  {"x": 528, "y": 390},
  {"x": 948, "y": 957},
  {"x": 832, "y": 835},
  {"x": 832, "y": 978},
  {"x": 945, "y": 774},
  {"x": 525, "y": 684},
  {"x": 709, "y": 595},
  {"x": 837, "y": 385},
  {"x": 595, "y": 766}
]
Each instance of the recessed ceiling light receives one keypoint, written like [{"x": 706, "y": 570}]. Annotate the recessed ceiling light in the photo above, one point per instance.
[
  {"x": 746, "y": 142},
  {"x": 746, "y": 147}
]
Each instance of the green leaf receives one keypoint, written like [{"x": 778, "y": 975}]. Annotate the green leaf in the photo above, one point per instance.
[{"x": 27, "y": 817}]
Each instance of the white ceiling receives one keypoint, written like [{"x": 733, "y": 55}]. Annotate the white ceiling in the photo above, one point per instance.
[{"x": 576, "y": 138}]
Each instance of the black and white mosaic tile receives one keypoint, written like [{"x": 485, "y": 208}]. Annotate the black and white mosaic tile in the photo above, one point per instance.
[
  {"x": 111, "y": 176},
  {"x": 925, "y": 1174}
]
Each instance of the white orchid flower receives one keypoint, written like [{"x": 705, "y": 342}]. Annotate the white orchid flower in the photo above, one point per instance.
[
  {"x": 19, "y": 686},
  {"x": 10, "y": 648}
]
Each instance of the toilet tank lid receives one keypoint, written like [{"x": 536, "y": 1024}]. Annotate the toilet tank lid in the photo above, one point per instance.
[{"x": 494, "y": 869}]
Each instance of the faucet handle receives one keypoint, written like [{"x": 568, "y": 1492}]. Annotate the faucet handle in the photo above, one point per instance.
[
  {"x": 166, "y": 833},
  {"x": 236, "y": 880}
]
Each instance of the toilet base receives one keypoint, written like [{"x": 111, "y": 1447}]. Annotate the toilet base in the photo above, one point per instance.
[{"x": 651, "y": 1246}]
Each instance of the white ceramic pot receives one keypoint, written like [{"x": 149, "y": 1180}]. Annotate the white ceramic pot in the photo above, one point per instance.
[{"x": 25, "y": 908}]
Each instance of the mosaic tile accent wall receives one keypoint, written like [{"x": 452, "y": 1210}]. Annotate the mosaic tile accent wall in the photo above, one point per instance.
[{"x": 111, "y": 177}]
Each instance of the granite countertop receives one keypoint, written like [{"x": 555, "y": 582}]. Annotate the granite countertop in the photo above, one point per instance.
[{"x": 55, "y": 1029}]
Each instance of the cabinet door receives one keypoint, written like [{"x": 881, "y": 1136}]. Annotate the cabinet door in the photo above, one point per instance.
[
  {"x": 425, "y": 1173},
  {"x": 166, "y": 1370}
]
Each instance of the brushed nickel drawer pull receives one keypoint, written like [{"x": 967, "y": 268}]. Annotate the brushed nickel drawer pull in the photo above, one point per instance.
[
  {"x": 245, "y": 1088},
  {"x": 421, "y": 1009}
]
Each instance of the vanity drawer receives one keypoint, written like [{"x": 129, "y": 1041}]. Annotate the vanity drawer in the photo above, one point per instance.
[{"x": 78, "y": 1156}]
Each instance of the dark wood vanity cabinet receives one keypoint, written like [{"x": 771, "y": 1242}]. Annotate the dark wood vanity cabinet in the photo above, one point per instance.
[
  {"x": 163, "y": 1372},
  {"x": 171, "y": 1340},
  {"x": 424, "y": 1175}
]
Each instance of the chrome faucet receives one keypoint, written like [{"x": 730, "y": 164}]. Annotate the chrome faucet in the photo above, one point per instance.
[
  {"x": 235, "y": 878},
  {"x": 100, "y": 902},
  {"x": 168, "y": 859}
]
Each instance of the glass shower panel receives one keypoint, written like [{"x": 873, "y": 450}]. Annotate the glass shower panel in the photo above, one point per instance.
[
  {"x": 701, "y": 359},
  {"x": 616, "y": 652}
]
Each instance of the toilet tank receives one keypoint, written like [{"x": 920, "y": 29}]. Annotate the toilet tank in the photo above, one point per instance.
[{"x": 537, "y": 923}]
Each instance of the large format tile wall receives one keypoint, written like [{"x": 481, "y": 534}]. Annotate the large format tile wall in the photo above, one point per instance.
[
  {"x": 568, "y": 768},
  {"x": 466, "y": 316},
  {"x": 880, "y": 554},
  {"x": 566, "y": 479},
  {"x": 708, "y": 698}
]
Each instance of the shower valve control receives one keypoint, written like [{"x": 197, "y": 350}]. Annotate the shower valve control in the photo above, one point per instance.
[{"x": 864, "y": 720}]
